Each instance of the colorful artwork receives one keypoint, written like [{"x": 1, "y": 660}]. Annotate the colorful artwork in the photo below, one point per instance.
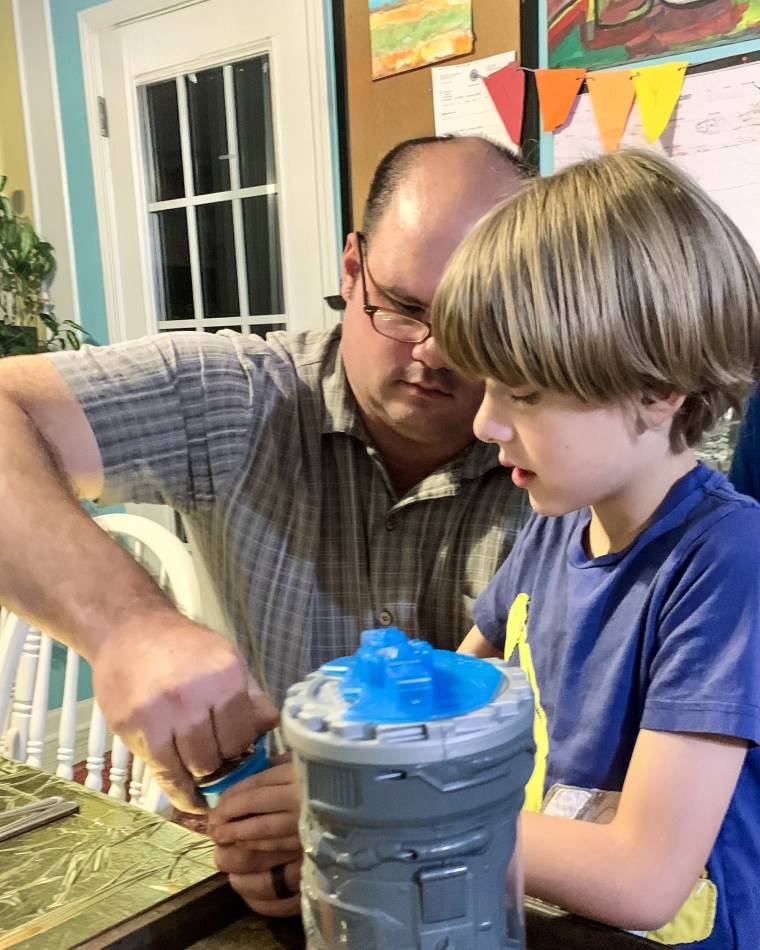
[
  {"x": 599, "y": 33},
  {"x": 406, "y": 34}
]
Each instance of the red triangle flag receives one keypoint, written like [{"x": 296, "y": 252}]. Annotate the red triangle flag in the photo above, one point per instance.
[{"x": 506, "y": 87}]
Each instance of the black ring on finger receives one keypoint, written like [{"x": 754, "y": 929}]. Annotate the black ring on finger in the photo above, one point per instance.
[{"x": 282, "y": 889}]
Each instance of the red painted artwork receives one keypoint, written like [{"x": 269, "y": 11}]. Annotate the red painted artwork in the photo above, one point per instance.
[{"x": 600, "y": 33}]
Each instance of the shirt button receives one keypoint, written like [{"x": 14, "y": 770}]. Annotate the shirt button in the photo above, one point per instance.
[
  {"x": 390, "y": 523},
  {"x": 385, "y": 617}
]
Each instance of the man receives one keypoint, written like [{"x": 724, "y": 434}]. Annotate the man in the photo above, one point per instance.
[{"x": 331, "y": 480}]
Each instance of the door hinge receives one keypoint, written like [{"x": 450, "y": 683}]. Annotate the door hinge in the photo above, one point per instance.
[{"x": 103, "y": 116}]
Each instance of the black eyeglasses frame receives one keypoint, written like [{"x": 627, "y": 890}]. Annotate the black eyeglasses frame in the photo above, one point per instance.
[{"x": 397, "y": 321}]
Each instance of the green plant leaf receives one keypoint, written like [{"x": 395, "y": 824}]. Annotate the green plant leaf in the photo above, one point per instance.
[
  {"x": 18, "y": 341},
  {"x": 26, "y": 265}
]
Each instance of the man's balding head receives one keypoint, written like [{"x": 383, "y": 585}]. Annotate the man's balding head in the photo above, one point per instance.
[
  {"x": 426, "y": 196},
  {"x": 464, "y": 160}
]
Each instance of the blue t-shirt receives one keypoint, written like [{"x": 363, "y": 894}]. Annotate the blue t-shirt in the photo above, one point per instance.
[{"x": 664, "y": 635}]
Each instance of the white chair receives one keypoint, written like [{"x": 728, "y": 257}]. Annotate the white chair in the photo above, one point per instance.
[{"x": 25, "y": 661}]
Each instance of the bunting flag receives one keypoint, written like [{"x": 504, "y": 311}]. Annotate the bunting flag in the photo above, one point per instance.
[
  {"x": 612, "y": 92},
  {"x": 657, "y": 92},
  {"x": 506, "y": 88},
  {"x": 557, "y": 89},
  {"x": 611, "y": 99}
]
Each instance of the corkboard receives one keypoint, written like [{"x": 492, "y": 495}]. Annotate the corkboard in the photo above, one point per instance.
[{"x": 385, "y": 112}]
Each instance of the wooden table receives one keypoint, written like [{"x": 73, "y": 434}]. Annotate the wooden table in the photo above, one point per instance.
[{"x": 237, "y": 928}]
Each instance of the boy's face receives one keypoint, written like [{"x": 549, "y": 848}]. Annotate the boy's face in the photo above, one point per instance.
[{"x": 567, "y": 454}]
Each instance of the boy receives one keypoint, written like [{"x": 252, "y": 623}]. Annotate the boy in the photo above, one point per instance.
[{"x": 614, "y": 313}]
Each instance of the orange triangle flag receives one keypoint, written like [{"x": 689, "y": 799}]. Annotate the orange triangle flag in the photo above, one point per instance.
[
  {"x": 657, "y": 92},
  {"x": 557, "y": 89},
  {"x": 506, "y": 88},
  {"x": 611, "y": 99}
]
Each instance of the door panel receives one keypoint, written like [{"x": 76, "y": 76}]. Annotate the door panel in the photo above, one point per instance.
[{"x": 215, "y": 197}]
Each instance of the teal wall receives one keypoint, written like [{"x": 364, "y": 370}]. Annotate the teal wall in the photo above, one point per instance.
[
  {"x": 89, "y": 273},
  {"x": 84, "y": 224},
  {"x": 57, "y": 671}
]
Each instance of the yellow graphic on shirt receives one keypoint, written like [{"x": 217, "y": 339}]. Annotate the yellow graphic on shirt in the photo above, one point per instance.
[
  {"x": 517, "y": 639},
  {"x": 696, "y": 918}
]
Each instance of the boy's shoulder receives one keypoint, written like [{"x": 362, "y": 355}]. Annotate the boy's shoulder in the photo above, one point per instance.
[
  {"x": 705, "y": 501},
  {"x": 702, "y": 509}
]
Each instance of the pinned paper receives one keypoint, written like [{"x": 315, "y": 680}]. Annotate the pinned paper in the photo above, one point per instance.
[
  {"x": 657, "y": 91},
  {"x": 461, "y": 103},
  {"x": 557, "y": 89},
  {"x": 611, "y": 98},
  {"x": 506, "y": 88}
]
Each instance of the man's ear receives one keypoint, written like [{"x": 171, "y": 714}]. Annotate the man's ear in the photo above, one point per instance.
[
  {"x": 655, "y": 409},
  {"x": 349, "y": 266}
]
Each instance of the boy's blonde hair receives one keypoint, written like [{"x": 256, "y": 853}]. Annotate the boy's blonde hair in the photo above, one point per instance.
[{"x": 614, "y": 277}]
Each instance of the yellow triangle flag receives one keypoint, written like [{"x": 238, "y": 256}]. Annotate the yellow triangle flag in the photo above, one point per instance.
[
  {"x": 557, "y": 89},
  {"x": 611, "y": 99},
  {"x": 657, "y": 91}
]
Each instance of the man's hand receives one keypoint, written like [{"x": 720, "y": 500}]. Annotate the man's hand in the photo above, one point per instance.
[
  {"x": 255, "y": 828},
  {"x": 181, "y": 698}
]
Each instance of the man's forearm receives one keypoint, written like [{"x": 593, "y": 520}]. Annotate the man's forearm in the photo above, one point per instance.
[{"x": 57, "y": 566}]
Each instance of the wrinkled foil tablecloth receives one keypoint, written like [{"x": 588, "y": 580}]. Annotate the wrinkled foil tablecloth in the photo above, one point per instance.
[{"x": 72, "y": 879}]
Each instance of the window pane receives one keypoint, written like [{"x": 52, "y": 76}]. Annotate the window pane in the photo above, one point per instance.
[
  {"x": 208, "y": 131},
  {"x": 253, "y": 103},
  {"x": 171, "y": 262},
  {"x": 262, "y": 238},
  {"x": 261, "y": 329},
  {"x": 216, "y": 243},
  {"x": 161, "y": 115}
]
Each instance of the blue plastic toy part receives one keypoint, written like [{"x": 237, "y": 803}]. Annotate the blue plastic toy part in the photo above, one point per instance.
[
  {"x": 391, "y": 678},
  {"x": 253, "y": 763}
]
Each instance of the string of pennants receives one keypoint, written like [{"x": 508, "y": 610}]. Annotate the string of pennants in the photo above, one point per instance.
[{"x": 654, "y": 88}]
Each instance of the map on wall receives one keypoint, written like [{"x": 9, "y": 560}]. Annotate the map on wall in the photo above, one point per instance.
[
  {"x": 406, "y": 34},
  {"x": 599, "y": 33}
]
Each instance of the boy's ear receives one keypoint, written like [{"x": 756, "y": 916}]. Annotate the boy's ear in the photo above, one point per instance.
[
  {"x": 350, "y": 267},
  {"x": 654, "y": 409}
]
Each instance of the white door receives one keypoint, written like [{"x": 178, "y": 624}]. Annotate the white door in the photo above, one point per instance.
[{"x": 209, "y": 124}]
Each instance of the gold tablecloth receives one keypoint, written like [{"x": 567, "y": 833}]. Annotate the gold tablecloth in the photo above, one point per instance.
[{"x": 70, "y": 880}]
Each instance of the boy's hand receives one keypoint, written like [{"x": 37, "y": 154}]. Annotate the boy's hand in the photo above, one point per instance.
[{"x": 255, "y": 829}]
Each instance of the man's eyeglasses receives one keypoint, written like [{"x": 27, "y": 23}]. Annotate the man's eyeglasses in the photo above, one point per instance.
[{"x": 390, "y": 323}]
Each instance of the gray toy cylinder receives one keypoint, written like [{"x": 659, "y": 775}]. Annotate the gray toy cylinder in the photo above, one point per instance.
[{"x": 408, "y": 828}]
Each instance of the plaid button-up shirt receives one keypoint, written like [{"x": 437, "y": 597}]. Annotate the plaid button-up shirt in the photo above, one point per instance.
[{"x": 260, "y": 445}]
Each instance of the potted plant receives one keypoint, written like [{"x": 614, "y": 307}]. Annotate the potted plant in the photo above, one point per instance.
[{"x": 27, "y": 265}]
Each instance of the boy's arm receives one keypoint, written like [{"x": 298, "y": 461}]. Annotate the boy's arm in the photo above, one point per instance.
[
  {"x": 637, "y": 871},
  {"x": 475, "y": 644},
  {"x": 179, "y": 695}
]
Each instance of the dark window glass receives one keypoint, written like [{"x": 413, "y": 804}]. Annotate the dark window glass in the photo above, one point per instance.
[
  {"x": 162, "y": 117},
  {"x": 262, "y": 240},
  {"x": 216, "y": 244},
  {"x": 264, "y": 328},
  {"x": 253, "y": 103},
  {"x": 171, "y": 254},
  {"x": 208, "y": 131}
]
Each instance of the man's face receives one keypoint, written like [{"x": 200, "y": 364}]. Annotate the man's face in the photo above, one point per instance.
[{"x": 405, "y": 391}]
